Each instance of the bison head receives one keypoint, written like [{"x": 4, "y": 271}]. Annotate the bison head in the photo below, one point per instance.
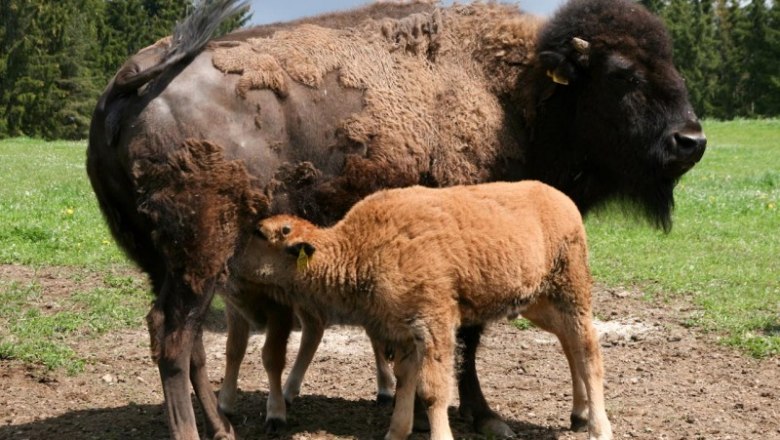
[{"x": 612, "y": 116}]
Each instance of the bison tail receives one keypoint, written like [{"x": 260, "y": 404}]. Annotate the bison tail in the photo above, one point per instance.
[
  {"x": 192, "y": 34},
  {"x": 189, "y": 38}
]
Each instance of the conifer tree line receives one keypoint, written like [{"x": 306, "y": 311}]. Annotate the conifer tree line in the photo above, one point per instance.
[
  {"x": 728, "y": 51},
  {"x": 57, "y": 56}
]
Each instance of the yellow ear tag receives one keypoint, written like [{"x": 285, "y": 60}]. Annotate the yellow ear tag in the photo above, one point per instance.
[
  {"x": 557, "y": 78},
  {"x": 303, "y": 260}
]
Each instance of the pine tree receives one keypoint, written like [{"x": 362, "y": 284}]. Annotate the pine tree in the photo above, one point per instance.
[
  {"x": 680, "y": 19},
  {"x": 80, "y": 70},
  {"x": 706, "y": 59},
  {"x": 28, "y": 88},
  {"x": 654, "y": 6},
  {"x": 761, "y": 60},
  {"x": 769, "y": 104}
]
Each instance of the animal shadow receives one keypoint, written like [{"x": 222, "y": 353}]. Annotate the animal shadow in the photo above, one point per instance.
[{"x": 311, "y": 416}]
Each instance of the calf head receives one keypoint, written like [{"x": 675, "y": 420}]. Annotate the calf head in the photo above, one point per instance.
[
  {"x": 289, "y": 235},
  {"x": 612, "y": 115}
]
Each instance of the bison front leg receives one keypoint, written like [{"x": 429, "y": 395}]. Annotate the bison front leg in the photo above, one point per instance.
[
  {"x": 174, "y": 324},
  {"x": 472, "y": 401}
]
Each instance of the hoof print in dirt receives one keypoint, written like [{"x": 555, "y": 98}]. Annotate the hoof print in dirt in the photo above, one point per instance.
[
  {"x": 578, "y": 424},
  {"x": 275, "y": 426}
]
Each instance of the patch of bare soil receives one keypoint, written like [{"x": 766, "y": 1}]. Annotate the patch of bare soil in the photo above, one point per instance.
[{"x": 663, "y": 381}]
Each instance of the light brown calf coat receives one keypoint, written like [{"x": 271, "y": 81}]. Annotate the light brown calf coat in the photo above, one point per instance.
[{"x": 412, "y": 265}]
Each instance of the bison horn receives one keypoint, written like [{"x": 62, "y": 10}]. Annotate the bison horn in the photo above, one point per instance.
[{"x": 580, "y": 45}]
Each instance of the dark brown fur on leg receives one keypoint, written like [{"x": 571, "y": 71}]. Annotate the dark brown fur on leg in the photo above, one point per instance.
[
  {"x": 172, "y": 342},
  {"x": 217, "y": 425},
  {"x": 472, "y": 401}
]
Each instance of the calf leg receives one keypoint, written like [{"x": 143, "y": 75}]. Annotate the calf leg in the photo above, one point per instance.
[
  {"x": 312, "y": 328},
  {"x": 472, "y": 401},
  {"x": 384, "y": 375},
  {"x": 279, "y": 327},
  {"x": 406, "y": 368},
  {"x": 579, "y": 411},
  {"x": 573, "y": 326},
  {"x": 435, "y": 382},
  {"x": 237, "y": 338}
]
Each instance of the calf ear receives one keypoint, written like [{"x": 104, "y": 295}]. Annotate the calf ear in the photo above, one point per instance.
[
  {"x": 563, "y": 66},
  {"x": 296, "y": 249}
]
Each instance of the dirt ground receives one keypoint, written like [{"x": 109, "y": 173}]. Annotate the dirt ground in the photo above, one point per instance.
[{"x": 663, "y": 381}]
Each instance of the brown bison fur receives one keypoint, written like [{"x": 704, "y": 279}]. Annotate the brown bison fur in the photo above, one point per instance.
[
  {"x": 412, "y": 265},
  {"x": 192, "y": 142}
]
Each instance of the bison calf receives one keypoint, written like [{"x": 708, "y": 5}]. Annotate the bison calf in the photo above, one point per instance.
[{"x": 412, "y": 265}]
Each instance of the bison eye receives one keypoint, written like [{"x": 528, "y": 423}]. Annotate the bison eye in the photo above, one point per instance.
[{"x": 286, "y": 230}]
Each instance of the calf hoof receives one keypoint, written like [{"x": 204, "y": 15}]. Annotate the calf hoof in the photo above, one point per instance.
[
  {"x": 383, "y": 399},
  {"x": 578, "y": 424},
  {"x": 275, "y": 426},
  {"x": 495, "y": 428}
]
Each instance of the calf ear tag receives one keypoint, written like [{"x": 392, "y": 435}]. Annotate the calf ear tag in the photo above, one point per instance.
[
  {"x": 303, "y": 260},
  {"x": 557, "y": 78}
]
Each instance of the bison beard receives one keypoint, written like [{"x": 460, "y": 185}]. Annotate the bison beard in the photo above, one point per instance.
[{"x": 189, "y": 144}]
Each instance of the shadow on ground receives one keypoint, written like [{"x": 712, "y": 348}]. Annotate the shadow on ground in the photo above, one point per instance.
[{"x": 312, "y": 416}]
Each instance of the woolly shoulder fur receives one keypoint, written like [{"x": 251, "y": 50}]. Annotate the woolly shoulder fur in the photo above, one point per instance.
[{"x": 431, "y": 84}]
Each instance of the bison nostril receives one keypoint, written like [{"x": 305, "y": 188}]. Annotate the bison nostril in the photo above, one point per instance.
[{"x": 690, "y": 144}]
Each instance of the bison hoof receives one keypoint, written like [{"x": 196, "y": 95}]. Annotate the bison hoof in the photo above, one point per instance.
[
  {"x": 275, "y": 426},
  {"x": 495, "y": 428},
  {"x": 578, "y": 424},
  {"x": 383, "y": 399}
]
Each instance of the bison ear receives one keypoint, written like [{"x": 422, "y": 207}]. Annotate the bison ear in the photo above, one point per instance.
[
  {"x": 298, "y": 249},
  {"x": 563, "y": 66}
]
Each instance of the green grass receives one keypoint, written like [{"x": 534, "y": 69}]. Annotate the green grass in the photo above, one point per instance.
[
  {"x": 48, "y": 212},
  {"x": 49, "y": 217},
  {"x": 43, "y": 329},
  {"x": 724, "y": 249}
]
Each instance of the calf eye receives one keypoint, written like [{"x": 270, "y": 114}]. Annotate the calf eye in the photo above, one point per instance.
[{"x": 286, "y": 230}]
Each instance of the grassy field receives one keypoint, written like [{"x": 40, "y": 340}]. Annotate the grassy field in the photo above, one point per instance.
[
  {"x": 724, "y": 247},
  {"x": 723, "y": 251}
]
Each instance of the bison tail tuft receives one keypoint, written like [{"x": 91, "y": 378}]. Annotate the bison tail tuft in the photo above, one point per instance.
[{"x": 192, "y": 34}]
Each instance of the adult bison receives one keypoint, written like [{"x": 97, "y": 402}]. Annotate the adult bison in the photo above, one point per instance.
[{"x": 192, "y": 142}]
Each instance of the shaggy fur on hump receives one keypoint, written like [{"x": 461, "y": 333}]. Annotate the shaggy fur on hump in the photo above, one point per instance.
[
  {"x": 431, "y": 107},
  {"x": 197, "y": 203}
]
